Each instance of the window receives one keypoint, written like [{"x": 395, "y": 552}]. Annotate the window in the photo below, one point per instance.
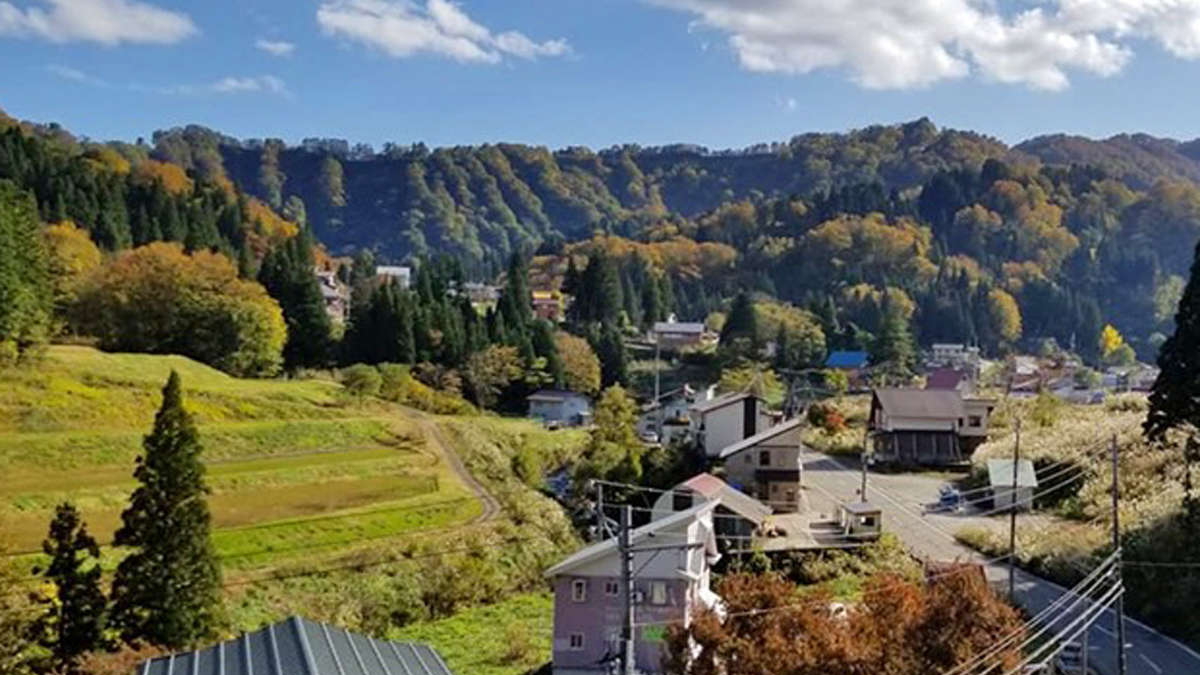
[
  {"x": 975, "y": 420},
  {"x": 612, "y": 588},
  {"x": 658, "y": 593},
  {"x": 764, "y": 458},
  {"x": 749, "y": 459},
  {"x": 575, "y": 642},
  {"x": 960, "y": 421},
  {"x": 579, "y": 590}
]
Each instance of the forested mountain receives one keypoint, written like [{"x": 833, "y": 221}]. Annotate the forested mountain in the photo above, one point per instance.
[
  {"x": 958, "y": 234},
  {"x": 495, "y": 198}
]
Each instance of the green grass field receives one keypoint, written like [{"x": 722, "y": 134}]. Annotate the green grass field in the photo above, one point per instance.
[
  {"x": 295, "y": 468},
  {"x": 508, "y": 638}
]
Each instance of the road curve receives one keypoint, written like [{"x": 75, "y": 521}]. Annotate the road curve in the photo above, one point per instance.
[{"x": 931, "y": 537}]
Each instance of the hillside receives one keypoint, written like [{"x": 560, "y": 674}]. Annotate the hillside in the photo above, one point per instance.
[
  {"x": 412, "y": 200},
  {"x": 304, "y": 480}
]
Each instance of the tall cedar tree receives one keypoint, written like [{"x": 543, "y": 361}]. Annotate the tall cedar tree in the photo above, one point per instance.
[
  {"x": 740, "y": 336},
  {"x": 893, "y": 348},
  {"x": 614, "y": 362},
  {"x": 1175, "y": 397},
  {"x": 288, "y": 275},
  {"x": 25, "y": 298},
  {"x": 73, "y": 623},
  {"x": 167, "y": 590}
]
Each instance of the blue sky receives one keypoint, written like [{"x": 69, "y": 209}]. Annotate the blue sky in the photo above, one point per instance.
[{"x": 722, "y": 73}]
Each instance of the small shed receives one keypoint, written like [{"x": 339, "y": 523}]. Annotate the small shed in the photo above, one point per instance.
[
  {"x": 565, "y": 408},
  {"x": 861, "y": 521},
  {"x": 297, "y": 646},
  {"x": 1000, "y": 480}
]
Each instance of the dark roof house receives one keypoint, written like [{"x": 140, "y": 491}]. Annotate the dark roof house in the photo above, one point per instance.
[
  {"x": 851, "y": 360},
  {"x": 297, "y": 646}
]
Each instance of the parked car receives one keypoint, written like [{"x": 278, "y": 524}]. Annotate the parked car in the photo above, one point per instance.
[{"x": 949, "y": 500}]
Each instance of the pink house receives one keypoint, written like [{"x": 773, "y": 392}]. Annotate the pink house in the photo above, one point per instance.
[{"x": 670, "y": 586}]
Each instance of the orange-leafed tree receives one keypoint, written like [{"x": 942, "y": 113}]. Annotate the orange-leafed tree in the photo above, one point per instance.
[
  {"x": 161, "y": 300},
  {"x": 896, "y": 627}
]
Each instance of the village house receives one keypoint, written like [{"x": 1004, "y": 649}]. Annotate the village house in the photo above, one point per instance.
[
  {"x": 954, "y": 379},
  {"x": 953, "y": 355},
  {"x": 555, "y": 407},
  {"x": 853, "y": 364},
  {"x": 671, "y": 584},
  {"x": 671, "y": 411},
  {"x": 724, "y": 420},
  {"x": 480, "y": 295},
  {"x": 401, "y": 274},
  {"x": 768, "y": 465},
  {"x": 737, "y": 517},
  {"x": 335, "y": 294},
  {"x": 297, "y": 646},
  {"x": 548, "y": 305},
  {"x": 926, "y": 426},
  {"x": 1000, "y": 484},
  {"x": 674, "y": 335}
]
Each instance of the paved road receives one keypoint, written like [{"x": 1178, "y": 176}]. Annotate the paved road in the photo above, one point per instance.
[{"x": 932, "y": 537}]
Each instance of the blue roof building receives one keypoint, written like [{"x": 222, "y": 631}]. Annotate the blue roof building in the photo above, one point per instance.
[
  {"x": 297, "y": 646},
  {"x": 847, "y": 360}
]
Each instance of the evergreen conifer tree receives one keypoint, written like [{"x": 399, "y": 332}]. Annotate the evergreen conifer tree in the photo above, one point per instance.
[
  {"x": 25, "y": 289},
  {"x": 288, "y": 275},
  {"x": 74, "y": 621},
  {"x": 167, "y": 590},
  {"x": 614, "y": 362}
]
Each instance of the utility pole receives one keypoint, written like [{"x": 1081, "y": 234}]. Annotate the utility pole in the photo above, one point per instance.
[
  {"x": 624, "y": 543},
  {"x": 1116, "y": 536},
  {"x": 862, "y": 491},
  {"x": 658, "y": 410},
  {"x": 1012, "y": 520}
]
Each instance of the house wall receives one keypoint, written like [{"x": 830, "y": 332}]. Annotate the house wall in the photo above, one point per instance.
[
  {"x": 976, "y": 408},
  {"x": 918, "y": 447},
  {"x": 726, "y": 425},
  {"x": 769, "y": 482},
  {"x": 600, "y": 616}
]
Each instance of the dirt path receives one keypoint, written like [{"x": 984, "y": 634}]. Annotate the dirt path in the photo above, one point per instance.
[{"x": 491, "y": 507}]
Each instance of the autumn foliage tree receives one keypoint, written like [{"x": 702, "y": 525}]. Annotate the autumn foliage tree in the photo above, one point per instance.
[
  {"x": 160, "y": 300},
  {"x": 897, "y": 627}
]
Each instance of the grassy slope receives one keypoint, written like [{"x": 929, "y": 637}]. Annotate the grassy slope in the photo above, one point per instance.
[
  {"x": 293, "y": 466},
  {"x": 508, "y": 638}
]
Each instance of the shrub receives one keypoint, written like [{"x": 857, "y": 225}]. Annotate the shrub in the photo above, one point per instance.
[
  {"x": 828, "y": 418},
  {"x": 1046, "y": 409},
  {"x": 362, "y": 381},
  {"x": 519, "y": 643}
]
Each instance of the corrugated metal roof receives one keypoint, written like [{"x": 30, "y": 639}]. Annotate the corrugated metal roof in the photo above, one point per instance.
[
  {"x": 665, "y": 327},
  {"x": 759, "y": 438},
  {"x": 720, "y": 401},
  {"x": 921, "y": 403},
  {"x": 846, "y": 359},
  {"x": 297, "y": 646},
  {"x": 711, "y": 487}
]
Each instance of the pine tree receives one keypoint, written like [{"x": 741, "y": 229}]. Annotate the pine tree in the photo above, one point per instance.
[
  {"x": 167, "y": 590},
  {"x": 544, "y": 347},
  {"x": 73, "y": 623},
  {"x": 25, "y": 289},
  {"x": 893, "y": 349},
  {"x": 288, "y": 275},
  {"x": 614, "y": 362}
]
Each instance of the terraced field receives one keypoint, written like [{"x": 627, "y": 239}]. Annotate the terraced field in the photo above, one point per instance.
[{"x": 295, "y": 468}]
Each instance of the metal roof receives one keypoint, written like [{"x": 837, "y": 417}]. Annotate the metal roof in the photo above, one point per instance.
[
  {"x": 710, "y": 487},
  {"x": 921, "y": 403},
  {"x": 680, "y": 327},
  {"x": 846, "y": 359},
  {"x": 555, "y": 395},
  {"x": 759, "y": 438},
  {"x": 1000, "y": 473},
  {"x": 721, "y": 401},
  {"x": 601, "y": 548},
  {"x": 297, "y": 646}
]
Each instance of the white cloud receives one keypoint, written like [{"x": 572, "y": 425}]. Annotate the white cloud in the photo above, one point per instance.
[
  {"x": 897, "y": 44},
  {"x": 401, "y": 28},
  {"x": 275, "y": 47},
  {"x": 232, "y": 85},
  {"x": 75, "y": 75},
  {"x": 108, "y": 22}
]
